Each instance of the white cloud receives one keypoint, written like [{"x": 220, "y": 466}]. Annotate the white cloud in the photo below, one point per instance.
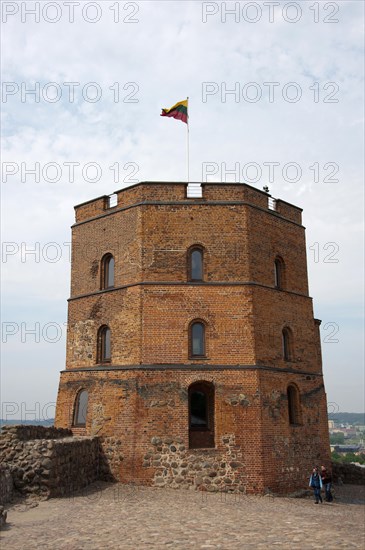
[{"x": 168, "y": 55}]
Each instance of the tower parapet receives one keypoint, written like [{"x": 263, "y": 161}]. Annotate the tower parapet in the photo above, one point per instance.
[{"x": 150, "y": 192}]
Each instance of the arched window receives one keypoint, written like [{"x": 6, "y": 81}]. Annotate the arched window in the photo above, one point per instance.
[
  {"x": 107, "y": 271},
  {"x": 201, "y": 415},
  {"x": 104, "y": 345},
  {"x": 294, "y": 409},
  {"x": 195, "y": 264},
  {"x": 80, "y": 409},
  {"x": 197, "y": 339},
  {"x": 279, "y": 273},
  {"x": 287, "y": 341}
]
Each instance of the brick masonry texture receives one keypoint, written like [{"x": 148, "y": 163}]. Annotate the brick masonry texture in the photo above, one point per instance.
[{"x": 141, "y": 395}]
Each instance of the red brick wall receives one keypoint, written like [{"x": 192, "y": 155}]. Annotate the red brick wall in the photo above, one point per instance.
[
  {"x": 120, "y": 310},
  {"x": 149, "y": 312},
  {"x": 136, "y": 406},
  {"x": 274, "y": 310},
  {"x": 118, "y": 234},
  {"x": 292, "y": 451}
]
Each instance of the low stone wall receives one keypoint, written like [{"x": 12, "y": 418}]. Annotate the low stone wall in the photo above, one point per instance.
[
  {"x": 51, "y": 462},
  {"x": 3, "y": 516},
  {"x": 6, "y": 484},
  {"x": 25, "y": 432},
  {"x": 204, "y": 469},
  {"x": 349, "y": 473}
]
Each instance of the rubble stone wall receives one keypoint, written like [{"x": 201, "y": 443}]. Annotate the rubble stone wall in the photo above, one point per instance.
[
  {"x": 48, "y": 461},
  {"x": 349, "y": 473},
  {"x": 207, "y": 470},
  {"x": 6, "y": 484}
]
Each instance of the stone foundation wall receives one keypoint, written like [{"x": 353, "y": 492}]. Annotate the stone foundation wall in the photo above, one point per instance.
[
  {"x": 349, "y": 473},
  {"x": 48, "y": 461},
  {"x": 203, "y": 469},
  {"x": 111, "y": 458}
]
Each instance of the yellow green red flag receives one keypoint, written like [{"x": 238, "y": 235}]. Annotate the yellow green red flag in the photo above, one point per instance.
[{"x": 178, "y": 111}]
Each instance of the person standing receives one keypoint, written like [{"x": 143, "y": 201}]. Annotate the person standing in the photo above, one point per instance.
[
  {"x": 327, "y": 482},
  {"x": 315, "y": 482}
]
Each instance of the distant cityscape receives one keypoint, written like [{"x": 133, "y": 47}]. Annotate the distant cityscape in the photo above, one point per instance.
[{"x": 347, "y": 435}]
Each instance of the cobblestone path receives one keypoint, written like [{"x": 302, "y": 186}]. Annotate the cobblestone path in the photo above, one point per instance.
[{"x": 115, "y": 516}]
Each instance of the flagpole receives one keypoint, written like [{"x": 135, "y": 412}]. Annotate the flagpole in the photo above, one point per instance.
[{"x": 187, "y": 136}]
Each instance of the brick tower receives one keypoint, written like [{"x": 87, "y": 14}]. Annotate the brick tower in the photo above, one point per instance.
[{"x": 192, "y": 350}]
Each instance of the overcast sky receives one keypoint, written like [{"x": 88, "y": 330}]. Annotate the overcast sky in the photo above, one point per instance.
[{"x": 274, "y": 82}]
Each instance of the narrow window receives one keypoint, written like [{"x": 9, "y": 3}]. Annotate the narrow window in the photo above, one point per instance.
[
  {"x": 293, "y": 405},
  {"x": 195, "y": 261},
  {"x": 201, "y": 415},
  {"x": 197, "y": 339},
  {"x": 104, "y": 345},
  {"x": 107, "y": 271},
  {"x": 287, "y": 344},
  {"x": 80, "y": 410},
  {"x": 279, "y": 273}
]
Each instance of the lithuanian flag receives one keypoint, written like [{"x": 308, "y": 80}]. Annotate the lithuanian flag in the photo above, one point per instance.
[{"x": 178, "y": 111}]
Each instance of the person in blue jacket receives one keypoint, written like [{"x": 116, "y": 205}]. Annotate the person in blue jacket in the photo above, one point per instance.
[{"x": 315, "y": 482}]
